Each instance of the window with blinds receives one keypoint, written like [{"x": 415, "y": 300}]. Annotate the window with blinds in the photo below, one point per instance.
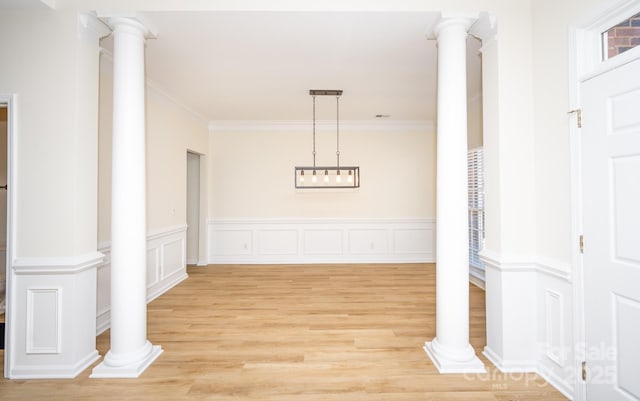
[{"x": 475, "y": 165}]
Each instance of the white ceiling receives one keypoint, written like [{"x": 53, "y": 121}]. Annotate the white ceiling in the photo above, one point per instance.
[{"x": 260, "y": 65}]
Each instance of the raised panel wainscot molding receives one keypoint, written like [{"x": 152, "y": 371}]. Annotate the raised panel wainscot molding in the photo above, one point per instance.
[
  {"x": 166, "y": 268},
  {"x": 530, "y": 296},
  {"x": 56, "y": 336},
  {"x": 293, "y": 241}
]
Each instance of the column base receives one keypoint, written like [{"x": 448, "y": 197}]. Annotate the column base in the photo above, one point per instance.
[
  {"x": 132, "y": 370},
  {"x": 448, "y": 365}
]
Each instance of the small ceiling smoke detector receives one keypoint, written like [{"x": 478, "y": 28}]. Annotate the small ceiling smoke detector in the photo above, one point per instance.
[{"x": 383, "y": 115}]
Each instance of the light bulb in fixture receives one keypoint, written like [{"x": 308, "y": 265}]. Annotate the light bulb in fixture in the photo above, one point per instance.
[
  {"x": 338, "y": 177},
  {"x": 301, "y": 176},
  {"x": 350, "y": 179},
  {"x": 326, "y": 175},
  {"x": 314, "y": 178}
]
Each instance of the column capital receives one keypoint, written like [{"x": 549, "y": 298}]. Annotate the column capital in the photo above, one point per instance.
[
  {"x": 445, "y": 20},
  {"x": 129, "y": 19}
]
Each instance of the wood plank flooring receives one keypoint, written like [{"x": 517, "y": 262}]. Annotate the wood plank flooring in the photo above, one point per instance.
[{"x": 296, "y": 333}]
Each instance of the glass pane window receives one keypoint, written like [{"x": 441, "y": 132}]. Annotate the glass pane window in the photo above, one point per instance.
[
  {"x": 475, "y": 165},
  {"x": 622, "y": 37}
]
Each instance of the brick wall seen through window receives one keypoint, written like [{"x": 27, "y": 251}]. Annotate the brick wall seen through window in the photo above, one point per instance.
[{"x": 622, "y": 37}]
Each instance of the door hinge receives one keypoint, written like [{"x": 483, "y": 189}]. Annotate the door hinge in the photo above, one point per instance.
[
  {"x": 581, "y": 244},
  {"x": 584, "y": 371},
  {"x": 578, "y": 112}
]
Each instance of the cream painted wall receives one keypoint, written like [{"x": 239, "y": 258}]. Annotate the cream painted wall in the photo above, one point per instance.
[
  {"x": 171, "y": 131},
  {"x": 517, "y": 223},
  {"x": 52, "y": 70},
  {"x": 252, "y": 174},
  {"x": 551, "y": 21}
]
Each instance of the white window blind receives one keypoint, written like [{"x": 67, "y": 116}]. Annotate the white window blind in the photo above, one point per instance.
[{"x": 475, "y": 164}]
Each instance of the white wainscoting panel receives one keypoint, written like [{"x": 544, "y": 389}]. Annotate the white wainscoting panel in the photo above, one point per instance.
[
  {"x": 153, "y": 266},
  {"x": 321, "y": 241},
  {"x": 54, "y": 300},
  {"x": 555, "y": 321},
  {"x": 166, "y": 267},
  {"x": 554, "y": 327},
  {"x": 539, "y": 290},
  {"x": 368, "y": 242},
  {"x": 44, "y": 320},
  {"x": 278, "y": 242}
]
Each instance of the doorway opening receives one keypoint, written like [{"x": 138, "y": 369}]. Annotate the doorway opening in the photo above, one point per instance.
[
  {"x": 4, "y": 130},
  {"x": 7, "y": 231},
  {"x": 193, "y": 208}
]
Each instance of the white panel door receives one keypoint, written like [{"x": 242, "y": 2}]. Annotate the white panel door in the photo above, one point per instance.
[{"x": 611, "y": 222}]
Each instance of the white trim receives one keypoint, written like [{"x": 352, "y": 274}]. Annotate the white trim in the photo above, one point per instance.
[
  {"x": 507, "y": 366},
  {"x": 165, "y": 232},
  {"x": 496, "y": 261},
  {"x": 365, "y": 126},
  {"x": 57, "y": 265},
  {"x": 132, "y": 371},
  {"x": 53, "y": 371},
  {"x": 156, "y": 87},
  {"x": 529, "y": 367},
  {"x": 559, "y": 383},
  {"x": 30, "y": 335},
  {"x": 12, "y": 205},
  {"x": 549, "y": 267},
  {"x": 294, "y": 241},
  {"x": 444, "y": 365},
  {"x": 554, "y": 269}
]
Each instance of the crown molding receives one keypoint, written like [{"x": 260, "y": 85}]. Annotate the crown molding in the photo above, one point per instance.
[
  {"x": 228, "y": 126},
  {"x": 160, "y": 90}
]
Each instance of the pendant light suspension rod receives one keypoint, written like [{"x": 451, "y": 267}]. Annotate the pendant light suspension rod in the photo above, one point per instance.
[
  {"x": 338, "y": 132},
  {"x": 314, "y": 133}
]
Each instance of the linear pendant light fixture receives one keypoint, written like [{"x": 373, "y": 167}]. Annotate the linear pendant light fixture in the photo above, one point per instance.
[{"x": 327, "y": 176}]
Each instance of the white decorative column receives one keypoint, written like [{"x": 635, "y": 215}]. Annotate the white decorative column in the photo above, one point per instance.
[
  {"x": 450, "y": 350},
  {"x": 131, "y": 353}
]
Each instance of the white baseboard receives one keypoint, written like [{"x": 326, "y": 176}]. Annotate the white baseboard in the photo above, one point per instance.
[
  {"x": 53, "y": 371},
  {"x": 296, "y": 241},
  {"x": 166, "y": 268},
  {"x": 556, "y": 381},
  {"x": 509, "y": 366}
]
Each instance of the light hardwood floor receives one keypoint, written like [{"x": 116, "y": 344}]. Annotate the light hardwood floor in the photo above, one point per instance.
[{"x": 296, "y": 333}]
